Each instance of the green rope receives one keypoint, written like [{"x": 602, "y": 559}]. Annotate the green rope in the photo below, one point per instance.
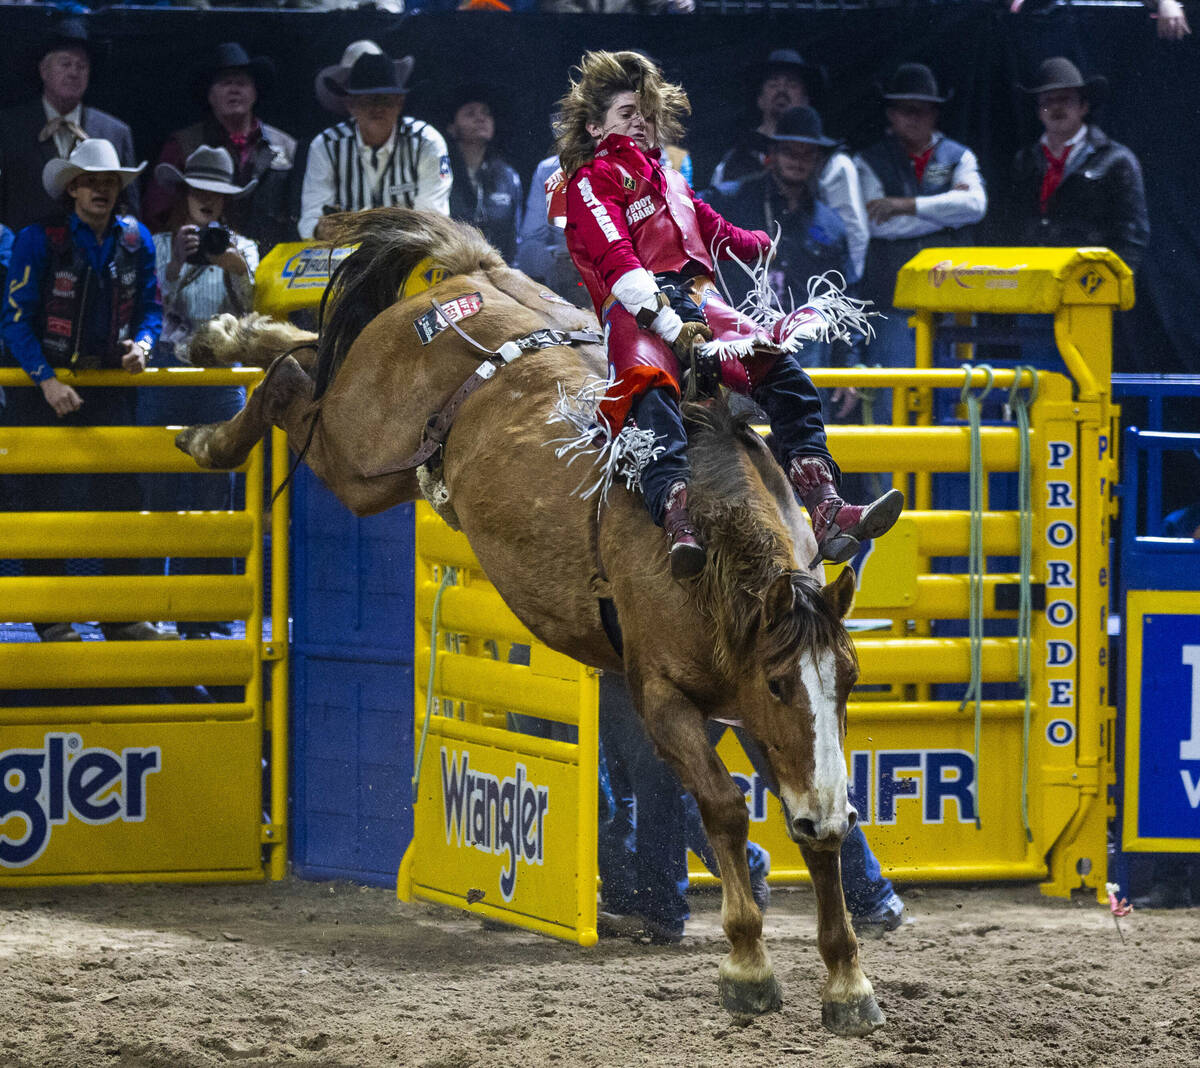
[
  {"x": 975, "y": 561},
  {"x": 449, "y": 576},
  {"x": 1019, "y": 402}
]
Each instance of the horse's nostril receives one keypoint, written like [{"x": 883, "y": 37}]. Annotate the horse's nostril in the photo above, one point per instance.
[
  {"x": 851, "y": 819},
  {"x": 805, "y": 827}
]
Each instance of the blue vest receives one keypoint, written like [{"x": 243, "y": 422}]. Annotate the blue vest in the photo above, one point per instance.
[{"x": 894, "y": 170}]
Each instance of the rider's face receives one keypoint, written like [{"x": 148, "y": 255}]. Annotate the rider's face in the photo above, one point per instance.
[{"x": 623, "y": 117}]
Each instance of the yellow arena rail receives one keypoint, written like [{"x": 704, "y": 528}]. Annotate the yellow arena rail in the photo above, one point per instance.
[{"x": 100, "y": 790}]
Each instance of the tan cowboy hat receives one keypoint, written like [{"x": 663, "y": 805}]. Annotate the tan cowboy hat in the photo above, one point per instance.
[
  {"x": 93, "y": 156},
  {"x": 207, "y": 168},
  {"x": 333, "y": 78}
]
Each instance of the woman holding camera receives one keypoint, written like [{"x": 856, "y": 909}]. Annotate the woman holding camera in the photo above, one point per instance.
[{"x": 204, "y": 270}]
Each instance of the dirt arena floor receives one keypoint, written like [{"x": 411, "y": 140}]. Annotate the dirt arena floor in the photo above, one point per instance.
[{"x": 334, "y": 974}]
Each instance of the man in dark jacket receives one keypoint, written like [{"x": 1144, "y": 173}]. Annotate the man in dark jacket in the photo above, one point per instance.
[
  {"x": 1075, "y": 186},
  {"x": 33, "y": 133},
  {"x": 486, "y": 191},
  {"x": 230, "y": 82}
]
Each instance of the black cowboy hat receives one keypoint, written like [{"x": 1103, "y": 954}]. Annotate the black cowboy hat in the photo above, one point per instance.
[
  {"x": 232, "y": 56},
  {"x": 66, "y": 33},
  {"x": 62, "y": 33},
  {"x": 339, "y": 72},
  {"x": 375, "y": 73},
  {"x": 814, "y": 77},
  {"x": 914, "y": 81},
  {"x": 802, "y": 125},
  {"x": 1058, "y": 72}
]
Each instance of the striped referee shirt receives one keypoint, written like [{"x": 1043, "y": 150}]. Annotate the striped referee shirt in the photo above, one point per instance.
[{"x": 411, "y": 170}]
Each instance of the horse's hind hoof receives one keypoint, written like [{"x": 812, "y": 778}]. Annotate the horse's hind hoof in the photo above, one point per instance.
[
  {"x": 193, "y": 440},
  {"x": 852, "y": 1019},
  {"x": 745, "y": 997}
]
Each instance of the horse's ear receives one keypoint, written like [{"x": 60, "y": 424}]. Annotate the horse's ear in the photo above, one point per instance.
[
  {"x": 779, "y": 602},
  {"x": 839, "y": 594}
]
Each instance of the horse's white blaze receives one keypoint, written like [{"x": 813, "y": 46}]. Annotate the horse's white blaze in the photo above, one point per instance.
[{"x": 829, "y": 807}]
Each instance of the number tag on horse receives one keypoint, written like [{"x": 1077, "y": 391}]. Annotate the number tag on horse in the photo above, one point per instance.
[{"x": 431, "y": 323}]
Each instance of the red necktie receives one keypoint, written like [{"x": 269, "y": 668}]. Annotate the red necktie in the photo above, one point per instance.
[
  {"x": 920, "y": 161},
  {"x": 243, "y": 143},
  {"x": 1053, "y": 177}
]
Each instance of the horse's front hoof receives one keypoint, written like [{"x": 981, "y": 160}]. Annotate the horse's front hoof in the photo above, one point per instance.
[
  {"x": 852, "y": 1019},
  {"x": 746, "y": 997}
]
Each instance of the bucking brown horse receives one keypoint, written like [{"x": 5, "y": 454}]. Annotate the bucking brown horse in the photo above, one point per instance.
[{"x": 756, "y": 638}]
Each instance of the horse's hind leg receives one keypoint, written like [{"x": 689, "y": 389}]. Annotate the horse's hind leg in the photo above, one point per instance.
[
  {"x": 747, "y": 981},
  {"x": 848, "y": 1005},
  {"x": 281, "y": 399}
]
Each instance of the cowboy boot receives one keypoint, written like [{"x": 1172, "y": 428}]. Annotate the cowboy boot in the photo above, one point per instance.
[
  {"x": 685, "y": 551},
  {"x": 839, "y": 527}
]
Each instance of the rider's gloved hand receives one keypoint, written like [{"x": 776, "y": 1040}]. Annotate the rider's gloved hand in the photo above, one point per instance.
[
  {"x": 639, "y": 294},
  {"x": 690, "y": 334}
]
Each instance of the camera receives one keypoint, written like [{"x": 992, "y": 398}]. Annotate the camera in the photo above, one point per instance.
[{"x": 214, "y": 239}]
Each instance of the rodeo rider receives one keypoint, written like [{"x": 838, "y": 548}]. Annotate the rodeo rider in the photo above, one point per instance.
[{"x": 638, "y": 236}]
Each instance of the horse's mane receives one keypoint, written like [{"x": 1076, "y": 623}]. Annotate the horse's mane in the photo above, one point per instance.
[
  {"x": 733, "y": 499},
  {"x": 391, "y": 242}
]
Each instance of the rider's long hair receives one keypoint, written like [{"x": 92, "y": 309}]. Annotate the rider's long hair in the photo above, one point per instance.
[{"x": 599, "y": 77}]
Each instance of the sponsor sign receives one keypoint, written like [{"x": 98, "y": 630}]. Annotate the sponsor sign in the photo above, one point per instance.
[{"x": 311, "y": 267}]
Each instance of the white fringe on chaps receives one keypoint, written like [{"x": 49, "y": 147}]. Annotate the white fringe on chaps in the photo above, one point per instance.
[{"x": 616, "y": 456}]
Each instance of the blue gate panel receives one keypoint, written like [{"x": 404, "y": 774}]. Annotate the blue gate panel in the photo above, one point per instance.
[
  {"x": 1169, "y": 762},
  {"x": 351, "y": 767},
  {"x": 352, "y": 586},
  {"x": 352, "y": 687}
]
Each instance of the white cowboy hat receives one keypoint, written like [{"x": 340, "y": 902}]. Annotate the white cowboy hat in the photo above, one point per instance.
[
  {"x": 340, "y": 71},
  {"x": 93, "y": 156},
  {"x": 206, "y": 168}
]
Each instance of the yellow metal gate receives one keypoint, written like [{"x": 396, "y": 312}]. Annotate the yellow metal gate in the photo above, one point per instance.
[
  {"x": 505, "y": 818},
  {"x": 1033, "y": 804},
  {"x": 138, "y": 792}
]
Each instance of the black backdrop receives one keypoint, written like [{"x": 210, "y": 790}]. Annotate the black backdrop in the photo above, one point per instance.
[{"x": 980, "y": 51}]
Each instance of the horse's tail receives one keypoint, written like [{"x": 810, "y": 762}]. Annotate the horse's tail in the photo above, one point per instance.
[
  {"x": 391, "y": 243},
  {"x": 253, "y": 340}
]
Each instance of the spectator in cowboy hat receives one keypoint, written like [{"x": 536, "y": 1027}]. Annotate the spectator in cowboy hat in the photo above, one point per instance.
[
  {"x": 1075, "y": 186},
  {"x": 922, "y": 189},
  {"x": 486, "y": 191},
  {"x": 230, "y": 83},
  {"x": 378, "y": 157},
  {"x": 786, "y": 81},
  {"x": 204, "y": 269},
  {"x": 812, "y": 239},
  {"x": 35, "y": 132},
  {"x": 82, "y": 295}
]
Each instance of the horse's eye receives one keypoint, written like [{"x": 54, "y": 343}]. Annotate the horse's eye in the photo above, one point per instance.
[{"x": 776, "y": 688}]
